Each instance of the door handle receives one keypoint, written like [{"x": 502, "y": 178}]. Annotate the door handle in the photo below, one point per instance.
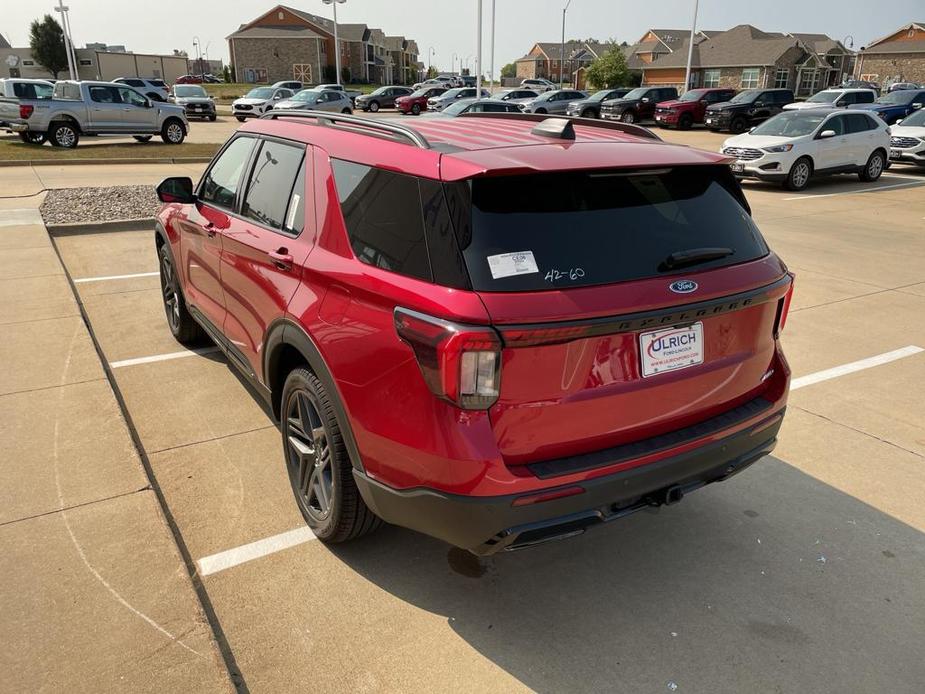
[
  {"x": 210, "y": 229},
  {"x": 281, "y": 259}
]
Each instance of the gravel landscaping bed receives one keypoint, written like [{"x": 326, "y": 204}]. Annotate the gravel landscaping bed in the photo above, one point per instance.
[{"x": 75, "y": 205}]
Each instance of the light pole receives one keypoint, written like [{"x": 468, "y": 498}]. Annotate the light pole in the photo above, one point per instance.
[
  {"x": 478, "y": 57},
  {"x": 431, "y": 52},
  {"x": 468, "y": 58},
  {"x": 335, "y": 3},
  {"x": 68, "y": 45},
  {"x": 690, "y": 48},
  {"x": 196, "y": 41},
  {"x": 206, "y": 54},
  {"x": 453, "y": 65},
  {"x": 491, "y": 63},
  {"x": 562, "y": 45}
]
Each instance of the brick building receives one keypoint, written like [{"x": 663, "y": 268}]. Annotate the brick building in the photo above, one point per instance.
[
  {"x": 899, "y": 57},
  {"x": 543, "y": 60},
  {"x": 745, "y": 57},
  {"x": 285, "y": 43}
]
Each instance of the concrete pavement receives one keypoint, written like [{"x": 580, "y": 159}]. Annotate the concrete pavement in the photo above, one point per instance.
[{"x": 96, "y": 595}]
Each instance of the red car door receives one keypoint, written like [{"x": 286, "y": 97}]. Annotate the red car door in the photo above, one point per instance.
[
  {"x": 265, "y": 246},
  {"x": 201, "y": 230}
]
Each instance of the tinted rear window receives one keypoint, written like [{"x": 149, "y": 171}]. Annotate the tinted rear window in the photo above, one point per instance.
[{"x": 587, "y": 228}]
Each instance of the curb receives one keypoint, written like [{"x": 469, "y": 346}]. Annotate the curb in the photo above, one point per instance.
[
  {"x": 76, "y": 228},
  {"x": 136, "y": 160}
]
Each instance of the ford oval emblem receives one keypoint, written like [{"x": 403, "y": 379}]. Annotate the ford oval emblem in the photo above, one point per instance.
[{"x": 683, "y": 286}]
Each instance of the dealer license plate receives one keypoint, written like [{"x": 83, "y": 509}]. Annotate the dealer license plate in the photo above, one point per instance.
[
  {"x": 737, "y": 166},
  {"x": 895, "y": 154},
  {"x": 709, "y": 120},
  {"x": 671, "y": 349}
]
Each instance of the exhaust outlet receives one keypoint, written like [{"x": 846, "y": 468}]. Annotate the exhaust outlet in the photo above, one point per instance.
[{"x": 673, "y": 495}]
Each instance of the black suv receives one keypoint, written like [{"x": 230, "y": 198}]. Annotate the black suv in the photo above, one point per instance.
[
  {"x": 638, "y": 104},
  {"x": 747, "y": 109},
  {"x": 591, "y": 107}
]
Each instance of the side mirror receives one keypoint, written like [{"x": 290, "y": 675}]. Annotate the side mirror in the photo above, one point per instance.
[
  {"x": 759, "y": 104},
  {"x": 176, "y": 189},
  {"x": 840, "y": 102},
  {"x": 645, "y": 99},
  {"x": 916, "y": 106},
  {"x": 898, "y": 121},
  {"x": 750, "y": 129},
  {"x": 825, "y": 134}
]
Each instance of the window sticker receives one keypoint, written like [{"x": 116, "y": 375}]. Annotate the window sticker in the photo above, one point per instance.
[{"x": 510, "y": 264}]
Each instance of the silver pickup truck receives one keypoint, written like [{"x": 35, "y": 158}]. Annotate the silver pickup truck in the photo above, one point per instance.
[{"x": 94, "y": 108}]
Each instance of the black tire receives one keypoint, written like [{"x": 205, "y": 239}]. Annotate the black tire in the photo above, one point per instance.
[
  {"x": 142, "y": 138},
  {"x": 628, "y": 117},
  {"x": 33, "y": 138},
  {"x": 241, "y": 119},
  {"x": 346, "y": 110},
  {"x": 873, "y": 168},
  {"x": 738, "y": 126},
  {"x": 416, "y": 109},
  {"x": 64, "y": 134},
  {"x": 212, "y": 118},
  {"x": 589, "y": 113},
  {"x": 540, "y": 110},
  {"x": 800, "y": 174},
  {"x": 372, "y": 106},
  {"x": 320, "y": 471},
  {"x": 685, "y": 121},
  {"x": 184, "y": 329},
  {"x": 173, "y": 132}
]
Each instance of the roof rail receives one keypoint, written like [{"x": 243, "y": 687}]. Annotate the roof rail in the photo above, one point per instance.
[
  {"x": 628, "y": 128},
  {"x": 326, "y": 118}
]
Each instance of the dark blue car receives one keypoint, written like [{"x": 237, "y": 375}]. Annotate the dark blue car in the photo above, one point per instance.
[{"x": 895, "y": 105}]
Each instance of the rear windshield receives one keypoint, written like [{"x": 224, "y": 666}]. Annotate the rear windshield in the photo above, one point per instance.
[{"x": 573, "y": 229}]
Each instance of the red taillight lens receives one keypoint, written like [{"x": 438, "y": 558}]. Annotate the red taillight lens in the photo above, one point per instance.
[
  {"x": 25, "y": 110},
  {"x": 459, "y": 363},
  {"x": 785, "y": 307}
]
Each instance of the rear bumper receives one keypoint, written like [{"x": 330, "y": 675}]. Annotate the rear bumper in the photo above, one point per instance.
[
  {"x": 19, "y": 127},
  {"x": 486, "y": 525}
]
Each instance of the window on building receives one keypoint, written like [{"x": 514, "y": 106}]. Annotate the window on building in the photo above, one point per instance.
[
  {"x": 807, "y": 81},
  {"x": 782, "y": 78},
  {"x": 749, "y": 78},
  {"x": 711, "y": 78},
  {"x": 28, "y": 63},
  {"x": 382, "y": 211}
]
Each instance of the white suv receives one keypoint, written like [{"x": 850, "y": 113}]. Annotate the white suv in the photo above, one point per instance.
[
  {"x": 835, "y": 98},
  {"x": 539, "y": 85},
  {"x": 152, "y": 87},
  {"x": 907, "y": 144},
  {"x": 794, "y": 146}
]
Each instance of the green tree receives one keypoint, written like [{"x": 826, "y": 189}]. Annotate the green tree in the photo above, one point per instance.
[
  {"x": 432, "y": 72},
  {"x": 46, "y": 41},
  {"x": 509, "y": 70},
  {"x": 610, "y": 69}
]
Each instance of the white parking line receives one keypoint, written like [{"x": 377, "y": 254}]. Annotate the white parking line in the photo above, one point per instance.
[
  {"x": 162, "y": 357},
  {"x": 859, "y": 365},
  {"x": 255, "y": 550},
  {"x": 856, "y": 191},
  {"x": 115, "y": 277},
  {"x": 297, "y": 536}
]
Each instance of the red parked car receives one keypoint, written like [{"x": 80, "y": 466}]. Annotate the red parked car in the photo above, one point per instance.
[
  {"x": 497, "y": 329},
  {"x": 189, "y": 79},
  {"x": 690, "y": 108},
  {"x": 416, "y": 102}
]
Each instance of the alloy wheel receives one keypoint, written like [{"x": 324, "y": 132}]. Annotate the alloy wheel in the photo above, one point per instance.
[
  {"x": 65, "y": 136},
  {"x": 308, "y": 453},
  {"x": 169, "y": 290},
  {"x": 875, "y": 167},
  {"x": 800, "y": 174},
  {"x": 174, "y": 133}
]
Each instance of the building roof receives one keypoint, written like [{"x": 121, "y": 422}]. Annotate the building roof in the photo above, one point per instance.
[
  {"x": 821, "y": 43},
  {"x": 742, "y": 45},
  {"x": 276, "y": 32},
  {"x": 352, "y": 32},
  {"x": 916, "y": 46},
  {"x": 395, "y": 43},
  {"x": 4, "y": 43},
  {"x": 910, "y": 26}
]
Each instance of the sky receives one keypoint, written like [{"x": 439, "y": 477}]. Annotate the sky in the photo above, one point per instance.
[{"x": 449, "y": 26}]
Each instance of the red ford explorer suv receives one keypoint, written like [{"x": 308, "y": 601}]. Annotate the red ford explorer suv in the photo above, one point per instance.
[
  {"x": 689, "y": 108},
  {"x": 416, "y": 102},
  {"x": 498, "y": 329}
]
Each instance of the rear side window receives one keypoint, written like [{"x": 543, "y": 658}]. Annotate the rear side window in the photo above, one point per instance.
[
  {"x": 221, "y": 182},
  {"x": 30, "y": 90},
  {"x": 269, "y": 187},
  {"x": 573, "y": 229},
  {"x": 858, "y": 123},
  {"x": 382, "y": 211}
]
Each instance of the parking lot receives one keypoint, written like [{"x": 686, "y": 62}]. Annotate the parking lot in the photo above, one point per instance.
[{"x": 803, "y": 574}]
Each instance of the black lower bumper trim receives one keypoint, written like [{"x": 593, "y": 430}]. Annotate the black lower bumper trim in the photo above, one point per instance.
[{"x": 485, "y": 525}]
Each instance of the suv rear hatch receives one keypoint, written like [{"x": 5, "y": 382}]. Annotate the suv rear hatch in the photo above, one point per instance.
[{"x": 630, "y": 303}]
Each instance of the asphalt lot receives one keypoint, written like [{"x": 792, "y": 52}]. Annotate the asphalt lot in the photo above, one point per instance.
[{"x": 802, "y": 574}]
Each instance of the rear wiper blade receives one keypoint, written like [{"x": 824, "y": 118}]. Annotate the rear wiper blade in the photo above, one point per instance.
[{"x": 693, "y": 256}]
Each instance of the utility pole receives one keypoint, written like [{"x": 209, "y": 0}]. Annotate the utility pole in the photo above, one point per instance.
[
  {"x": 562, "y": 46},
  {"x": 336, "y": 42},
  {"x": 690, "y": 49},
  {"x": 478, "y": 57}
]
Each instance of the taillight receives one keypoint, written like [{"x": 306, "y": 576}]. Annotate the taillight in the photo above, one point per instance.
[
  {"x": 25, "y": 110},
  {"x": 459, "y": 363},
  {"x": 784, "y": 308}
]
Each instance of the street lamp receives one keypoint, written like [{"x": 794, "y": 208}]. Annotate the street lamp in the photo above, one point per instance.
[
  {"x": 562, "y": 45},
  {"x": 335, "y": 3},
  {"x": 690, "y": 48},
  {"x": 491, "y": 62},
  {"x": 68, "y": 41},
  {"x": 196, "y": 42},
  {"x": 431, "y": 52},
  {"x": 453, "y": 65}
]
